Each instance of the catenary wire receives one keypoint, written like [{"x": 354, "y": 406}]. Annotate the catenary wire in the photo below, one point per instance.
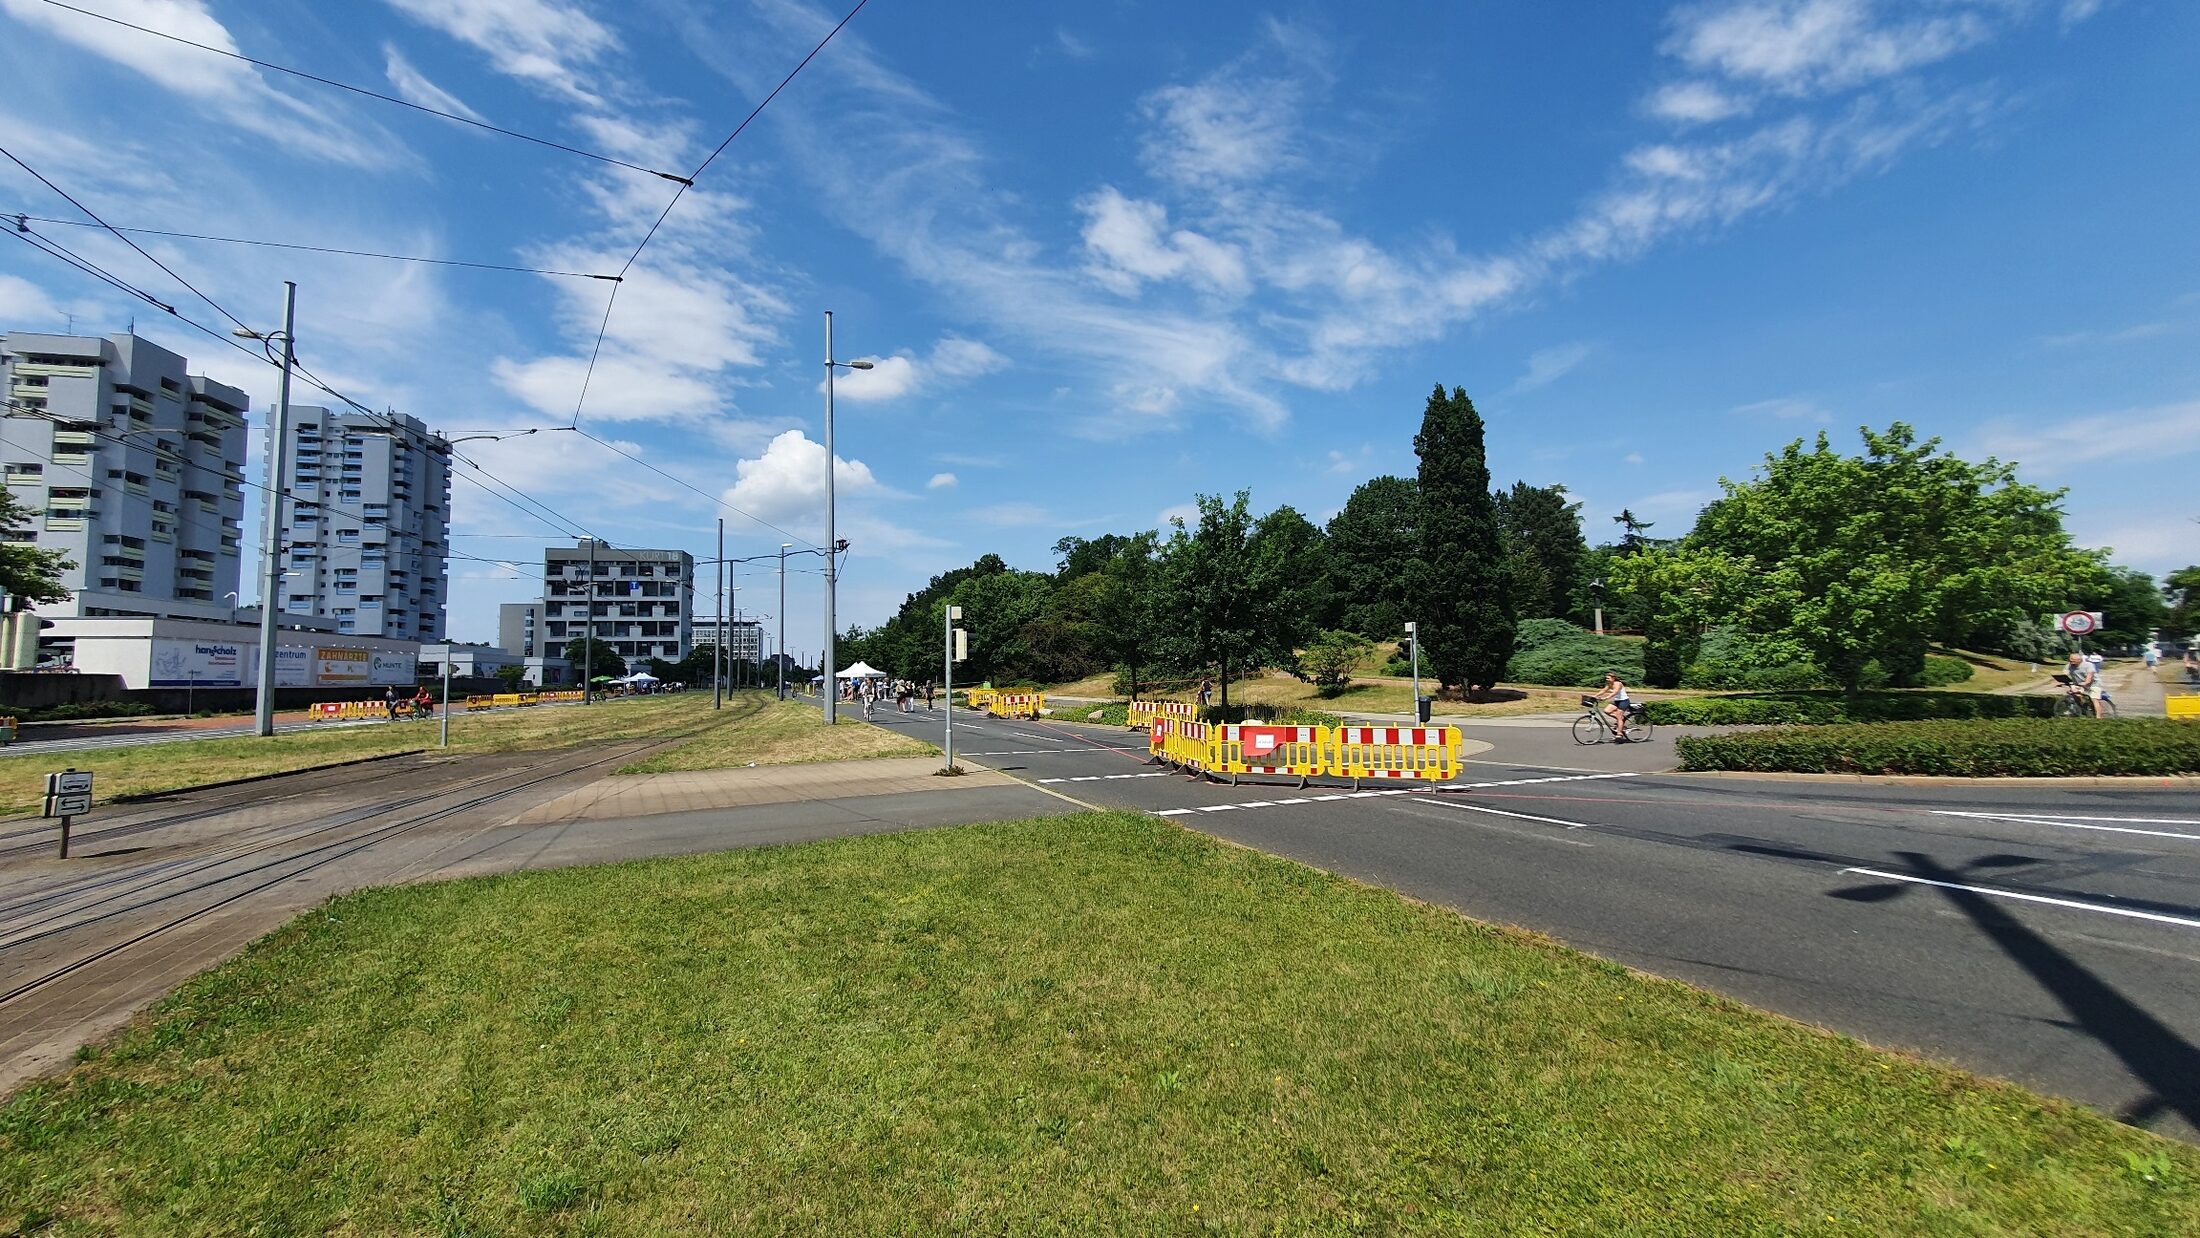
[
  {"x": 686, "y": 184},
  {"x": 361, "y": 90},
  {"x": 22, "y": 218}
]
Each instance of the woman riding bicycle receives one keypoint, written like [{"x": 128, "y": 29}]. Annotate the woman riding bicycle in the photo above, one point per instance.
[{"x": 1617, "y": 706}]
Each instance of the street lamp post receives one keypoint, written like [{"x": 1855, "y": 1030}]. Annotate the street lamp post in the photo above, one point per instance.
[
  {"x": 718, "y": 648},
  {"x": 1596, "y": 590},
  {"x": 271, "y": 548},
  {"x": 832, "y": 572}
]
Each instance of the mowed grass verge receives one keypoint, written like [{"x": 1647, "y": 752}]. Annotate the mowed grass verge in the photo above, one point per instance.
[
  {"x": 781, "y": 733},
  {"x": 773, "y": 727},
  {"x": 1097, "y": 1022}
]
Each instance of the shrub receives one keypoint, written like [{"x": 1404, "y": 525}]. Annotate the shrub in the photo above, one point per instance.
[
  {"x": 74, "y": 711},
  {"x": 1730, "y": 658},
  {"x": 1555, "y": 652},
  {"x": 1825, "y": 708},
  {"x": 2006, "y": 747},
  {"x": 1940, "y": 671},
  {"x": 1328, "y": 661},
  {"x": 1274, "y": 714}
]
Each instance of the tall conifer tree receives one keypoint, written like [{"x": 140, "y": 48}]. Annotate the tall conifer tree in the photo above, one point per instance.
[{"x": 1459, "y": 584}]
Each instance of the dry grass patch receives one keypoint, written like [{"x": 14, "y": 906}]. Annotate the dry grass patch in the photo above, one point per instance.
[{"x": 771, "y": 732}]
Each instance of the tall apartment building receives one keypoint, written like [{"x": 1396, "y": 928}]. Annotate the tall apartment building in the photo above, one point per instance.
[
  {"x": 519, "y": 630},
  {"x": 365, "y": 515},
  {"x": 643, "y": 600},
  {"x": 130, "y": 466}
]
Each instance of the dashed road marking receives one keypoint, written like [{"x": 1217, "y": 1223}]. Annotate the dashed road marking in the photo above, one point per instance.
[
  {"x": 2080, "y": 823},
  {"x": 1151, "y": 773},
  {"x": 1449, "y": 787}
]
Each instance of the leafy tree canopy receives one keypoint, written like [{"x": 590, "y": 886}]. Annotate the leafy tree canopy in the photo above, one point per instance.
[
  {"x": 605, "y": 662},
  {"x": 1377, "y": 530},
  {"x": 26, "y": 572},
  {"x": 1458, "y": 578}
]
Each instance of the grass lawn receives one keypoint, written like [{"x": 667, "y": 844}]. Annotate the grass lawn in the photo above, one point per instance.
[
  {"x": 752, "y": 727},
  {"x": 1081, "y": 1023},
  {"x": 773, "y": 732}
]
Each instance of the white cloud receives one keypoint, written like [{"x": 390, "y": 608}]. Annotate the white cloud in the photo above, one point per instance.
[
  {"x": 414, "y": 87},
  {"x": 2123, "y": 335},
  {"x": 1802, "y": 47},
  {"x": 1632, "y": 457},
  {"x": 1548, "y": 365},
  {"x": 953, "y": 359},
  {"x": 1129, "y": 241},
  {"x": 1186, "y": 512},
  {"x": 1786, "y": 408},
  {"x": 26, "y": 307},
  {"x": 546, "y": 42},
  {"x": 2142, "y": 433},
  {"x": 941, "y": 481},
  {"x": 1072, "y": 46},
  {"x": 230, "y": 89},
  {"x": 787, "y": 483},
  {"x": 1694, "y": 102}
]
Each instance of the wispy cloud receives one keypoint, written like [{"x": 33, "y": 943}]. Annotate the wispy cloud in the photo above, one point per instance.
[
  {"x": 2121, "y": 335},
  {"x": 231, "y": 90},
  {"x": 1786, "y": 408},
  {"x": 1548, "y": 365},
  {"x": 414, "y": 87},
  {"x": 941, "y": 481},
  {"x": 546, "y": 42},
  {"x": 2141, "y": 433}
]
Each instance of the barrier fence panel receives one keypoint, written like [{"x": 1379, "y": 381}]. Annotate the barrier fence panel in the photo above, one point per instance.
[
  {"x": 2182, "y": 706},
  {"x": 1424, "y": 753},
  {"x": 1253, "y": 748},
  {"x": 480, "y": 702},
  {"x": 1139, "y": 715},
  {"x": 1016, "y": 704},
  {"x": 1182, "y": 743},
  {"x": 980, "y": 698}
]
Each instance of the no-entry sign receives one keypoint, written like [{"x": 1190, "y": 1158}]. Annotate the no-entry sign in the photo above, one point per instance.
[{"x": 2079, "y": 622}]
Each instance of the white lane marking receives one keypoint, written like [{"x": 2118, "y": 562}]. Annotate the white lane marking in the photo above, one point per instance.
[
  {"x": 1499, "y": 812},
  {"x": 1294, "y": 801},
  {"x": 1522, "y": 782},
  {"x": 1323, "y": 799},
  {"x": 2076, "y": 823},
  {"x": 1255, "y": 804},
  {"x": 1217, "y": 807},
  {"x": 1173, "y": 812},
  {"x": 1048, "y": 782},
  {"x": 2029, "y": 898}
]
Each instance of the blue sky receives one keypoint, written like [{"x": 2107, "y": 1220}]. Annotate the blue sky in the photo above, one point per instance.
[{"x": 1112, "y": 256}]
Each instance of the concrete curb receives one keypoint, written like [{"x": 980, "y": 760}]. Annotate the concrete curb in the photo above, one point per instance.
[{"x": 2128, "y": 781}]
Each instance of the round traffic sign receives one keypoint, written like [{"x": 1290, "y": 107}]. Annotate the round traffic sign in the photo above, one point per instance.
[{"x": 2078, "y": 622}]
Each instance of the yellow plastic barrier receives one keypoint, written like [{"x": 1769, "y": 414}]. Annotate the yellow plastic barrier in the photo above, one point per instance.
[
  {"x": 1257, "y": 748},
  {"x": 1180, "y": 742},
  {"x": 980, "y": 698},
  {"x": 480, "y": 702},
  {"x": 1142, "y": 713},
  {"x": 1016, "y": 704},
  {"x": 1424, "y": 753},
  {"x": 2176, "y": 706}
]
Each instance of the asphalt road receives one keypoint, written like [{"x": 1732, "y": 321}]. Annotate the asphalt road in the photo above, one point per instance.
[{"x": 2049, "y": 936}]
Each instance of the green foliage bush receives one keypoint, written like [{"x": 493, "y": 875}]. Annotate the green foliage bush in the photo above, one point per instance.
[
  {"x": 1273, "y": 714},
  {"x": 1940, "y": 670},
  {"x": 75, "y": 711},
  {"x": 2006, "y": 747},
  {"x": 1555, "y": 652},
  {"x": 1328, "y": 660},
  {"x": 1732, "y": 659},
  {"x": 1828, "y": 708}
]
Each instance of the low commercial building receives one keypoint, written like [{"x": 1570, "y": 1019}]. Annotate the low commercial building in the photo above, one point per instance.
[
  {"x": 150, "y": 652},
  {"x": 467, "y": 660}
]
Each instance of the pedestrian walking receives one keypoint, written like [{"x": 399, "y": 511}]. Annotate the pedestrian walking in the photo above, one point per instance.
[
  {"x": 2152, "y": 655},
  {"x": 928, "y": 694},
  {"x": 389, "y": 702},
  {"x": 1206, "y": 690}
]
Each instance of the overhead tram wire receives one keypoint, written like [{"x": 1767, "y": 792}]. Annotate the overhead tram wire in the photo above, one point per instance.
[
  {"x": 314, "y": 249},
  {"x": 555, "y": 520},
  {"x": 371, "y": 94},
  {"x": 602, "y": 328}
]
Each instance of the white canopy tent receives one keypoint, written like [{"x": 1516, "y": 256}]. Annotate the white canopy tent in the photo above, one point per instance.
[
  {"x": 862, "y": 670},
  {"x": 638, "y": 677}
]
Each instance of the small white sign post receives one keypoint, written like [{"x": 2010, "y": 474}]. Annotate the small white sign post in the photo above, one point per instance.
[
  {"x": 957, "y": 648},
  {"x": 67, "y": 794}
]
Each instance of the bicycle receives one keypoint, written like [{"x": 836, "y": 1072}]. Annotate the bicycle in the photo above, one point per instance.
[
  {"x": 1595, "y": 726},
  {"x": 2076, "y": 704}
]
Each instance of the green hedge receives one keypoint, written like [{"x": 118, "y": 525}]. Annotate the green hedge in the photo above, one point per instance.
[
  {"x": 1555, "y": 652},
  {"x": 2036, "y": 747},
  {"x": 1941, "y": 670},
  {"x": 1826, "y": 708}
]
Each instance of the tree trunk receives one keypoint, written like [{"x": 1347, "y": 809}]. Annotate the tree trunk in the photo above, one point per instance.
[{"x": 1226, "y": 683}]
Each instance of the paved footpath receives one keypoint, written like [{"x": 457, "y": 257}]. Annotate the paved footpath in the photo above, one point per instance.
[{"x": 165, "y": 889}]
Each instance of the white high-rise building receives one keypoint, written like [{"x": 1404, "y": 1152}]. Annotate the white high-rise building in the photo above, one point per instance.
[
  {"x": 130, "y": 466},
  {"x": 365, "y": 519},
  {"x": 643, "y": 601}
]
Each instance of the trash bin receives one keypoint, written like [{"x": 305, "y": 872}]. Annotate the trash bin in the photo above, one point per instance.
[{"x": 1421, "y": 708}]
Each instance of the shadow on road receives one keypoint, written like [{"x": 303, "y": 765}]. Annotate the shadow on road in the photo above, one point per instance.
[{"x": 2166, "y": 1062}]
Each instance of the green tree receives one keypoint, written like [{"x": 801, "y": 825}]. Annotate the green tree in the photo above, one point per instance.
[
  {"x": 1868, "y": 558},
  {"x": 1458, "y": 582},
  {"x": 512, "y": 676},
  {"x": 1544, "y": 549},
  {"x": 998, "y": 608},
  {"x": 1226, "y": 591},
  {"x": 605, "y": 662},
  {"x": 1631, "y": 539},
  {"x": 1081, "y": 557},
  {"x": 1370, "y": 542},
  {"x": 1128, "y": 615},
  {"x": 2131, "y": 606},
  {"x": 2181, "y": 590},
  {"x": 1329, "y": 660},
  {"x": 27, "y": 573},
  {"x": 1288, "y": 554}
]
